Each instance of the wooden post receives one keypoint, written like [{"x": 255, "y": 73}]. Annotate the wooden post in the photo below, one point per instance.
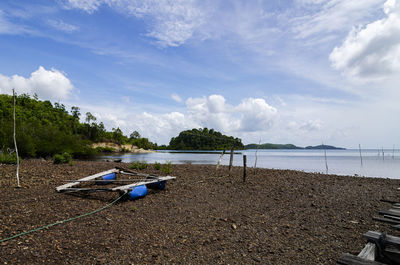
[
  {"x": 244, "y": 168},
  {"x": 359, "y": 147},
  {"x": 231, "y": 159},
  {"x": 15, "y": 143},
  {"x": 326, "y": 161},
  {"x": 220, "y": 159}
]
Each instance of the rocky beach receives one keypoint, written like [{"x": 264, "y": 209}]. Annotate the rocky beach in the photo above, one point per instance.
[{"x": 205, "y": 216}]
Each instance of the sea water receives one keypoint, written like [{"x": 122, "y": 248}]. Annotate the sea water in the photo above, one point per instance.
[{"x": 341, "y": 162}]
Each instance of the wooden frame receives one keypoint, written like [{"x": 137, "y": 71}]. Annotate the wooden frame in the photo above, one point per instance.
[{"x": 69, "y": 187}]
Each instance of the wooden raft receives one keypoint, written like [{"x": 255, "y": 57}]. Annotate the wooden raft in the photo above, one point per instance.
[
  {"x": 391, "y": 216},
  {"x": 380, "y": 249},
  {"x": 71, "y": 187}
]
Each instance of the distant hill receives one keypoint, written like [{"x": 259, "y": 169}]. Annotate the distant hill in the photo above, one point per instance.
[
  {"x": 326, "y": 147},
  {"x": 272, "y": 146},
  {"x": 204, "y": 139},
  {"x": 290, "y": 146}
]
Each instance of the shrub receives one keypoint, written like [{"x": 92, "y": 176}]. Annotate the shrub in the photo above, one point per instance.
[
  {"x": 105, "y": 149},
  {"x": 167, "y": 167},
  {"x": 157, "y": 166},
  {"x": 8, "y": 159},
  {"x": 138, "y": 165},
  {"x": 62, "y": 158}
]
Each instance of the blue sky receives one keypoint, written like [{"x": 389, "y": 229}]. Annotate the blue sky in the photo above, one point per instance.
[{"x": 299, "y": 71}]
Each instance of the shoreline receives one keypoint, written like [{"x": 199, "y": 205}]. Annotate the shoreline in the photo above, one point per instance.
[{"x": 205, "y": 216}]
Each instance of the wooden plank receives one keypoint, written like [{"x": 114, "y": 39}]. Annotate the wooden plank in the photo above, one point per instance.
[
  {"x": 69, "y": 185},
  {"x": 231, "y": 160},
  {"x": 348, "y": 259},
  {"x": 386, "y": 220},
  {"x": 393, "y": 240},
  {"x": 389, "y": 212},
  {"x": 129, "y": 186},
  {"x": 244, "y": 167},
  {"x": 368, "y": 252},
  {"x": 86, "y": 189},
  {"x": 392, "y": 217}
]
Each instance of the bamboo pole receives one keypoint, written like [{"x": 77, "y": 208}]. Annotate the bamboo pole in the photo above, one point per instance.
[{"x": 15, "y": 144}]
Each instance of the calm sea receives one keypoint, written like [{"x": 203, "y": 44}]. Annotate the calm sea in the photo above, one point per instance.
[{"x": 341, "y": 162}]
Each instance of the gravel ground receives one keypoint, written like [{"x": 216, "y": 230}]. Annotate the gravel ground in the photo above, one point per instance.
[{"x": 203, "y": 217}]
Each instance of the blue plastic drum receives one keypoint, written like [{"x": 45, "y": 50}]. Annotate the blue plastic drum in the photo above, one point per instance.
[
  {"x": 160, "y": 185},
  {"x": 138, "y": 192},
  {"x": 110, "y": 177}
]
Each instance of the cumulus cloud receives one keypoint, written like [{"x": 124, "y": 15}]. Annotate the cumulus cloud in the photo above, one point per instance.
[
  {"x": 251, "y": 115},
  {"x": 256, "y": 114},
  {"x": 372, "y": 52},
  {"x": 48, "y": 84}
]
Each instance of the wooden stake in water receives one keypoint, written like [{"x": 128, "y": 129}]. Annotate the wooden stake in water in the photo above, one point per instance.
[
  {"x": 244, "y": 168},
  {"x": 383, "y": 155},
  {"x": 220, "y": 159},
  {"x": 15, "y": 144},
  {"x": 255, "y": 161},
  {"x": 231, "y": 160},
  {"x": 359, "y": 147},
  {"x": 393, "y": 153},
  {"x": 326, "y": 161}
]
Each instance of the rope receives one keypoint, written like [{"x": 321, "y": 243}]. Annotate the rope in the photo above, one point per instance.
[{"x": 63, "y": 221}]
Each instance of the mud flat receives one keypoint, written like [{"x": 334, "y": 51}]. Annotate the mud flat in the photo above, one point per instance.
[{"x": 203, "y": 217}]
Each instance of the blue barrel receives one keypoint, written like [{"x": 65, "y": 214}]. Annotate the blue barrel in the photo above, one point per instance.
[
  {"x": 110, "y": 177},
  {"x": 159, "y": 185},
  {"x": 138, "y": 192}
]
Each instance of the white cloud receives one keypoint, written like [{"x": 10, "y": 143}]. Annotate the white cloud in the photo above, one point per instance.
[
  {"x": 87, "y": 5},
  {"x": 61, "y": 25},
  {"x": 372, "y": 52},
  {"x": 252, "y": 115},
  {"x": 7, "y": 27},
  {"x": 177, "y": 98},
  {"x": 171, "y": 23},
  {"x": 256, "y": 114},
  {"x": 47, "y": 84},
  {"x": 333, "y": 16}
]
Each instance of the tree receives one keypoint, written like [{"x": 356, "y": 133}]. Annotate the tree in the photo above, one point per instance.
[
  {"x": 134, "y": 135},
  {"x": 90, "y": 117},
  {"x": 117, "y": 135}
]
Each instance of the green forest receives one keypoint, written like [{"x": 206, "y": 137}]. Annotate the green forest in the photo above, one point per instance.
[
  {"x": 204, "y": 139},
  {"x": 44, "y": 129}
]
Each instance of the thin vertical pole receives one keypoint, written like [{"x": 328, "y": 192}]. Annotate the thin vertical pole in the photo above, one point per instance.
[
  {"x": 255, "y": 161},
  {"x": 359, "y": 147},
  {"x": 326, "y": 161},
  {"x": 383, "y": 155},
  {"x": 244, "y": 168},
  {"x": 15, "y": 144},
  {"x": 393, "y": 153},
  {"x": 231, "y": 160},
  {"x": 220, "y": 159}
]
